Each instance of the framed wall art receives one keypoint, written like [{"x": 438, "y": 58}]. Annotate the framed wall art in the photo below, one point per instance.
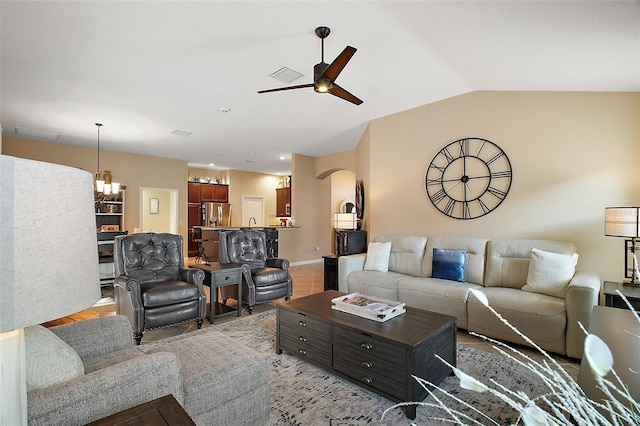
[{"x": 154, "y": 206}]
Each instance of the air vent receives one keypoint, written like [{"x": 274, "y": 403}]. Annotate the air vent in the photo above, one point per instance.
[
  {"x": 286, "y": 75},
  {"x": 38, "y": 134},
  {"x": 181, "y": 133}
]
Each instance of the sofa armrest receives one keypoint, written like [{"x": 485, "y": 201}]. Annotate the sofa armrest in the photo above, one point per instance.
[
  {"x": 582, "y": 295},
  {"x": 107, "y": 391},
  {"x": 96, "y": 336},
  {"x": 347, "y": 265}
]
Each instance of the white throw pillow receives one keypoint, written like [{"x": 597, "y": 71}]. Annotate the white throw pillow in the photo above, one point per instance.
[
  {"x": 49, "y": 359},
  {"x": 378, "y": 257},
  {"x": 550, "y": 273}
]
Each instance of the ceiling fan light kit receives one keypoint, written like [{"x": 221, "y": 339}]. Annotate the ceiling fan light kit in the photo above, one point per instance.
[{"x": 325, "y": 75}]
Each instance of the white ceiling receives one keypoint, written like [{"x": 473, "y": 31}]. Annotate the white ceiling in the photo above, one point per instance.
[{"x": 147, "y": 68}]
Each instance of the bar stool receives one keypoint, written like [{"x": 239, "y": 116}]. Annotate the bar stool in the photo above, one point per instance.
[{"x": 196, "y": 236}]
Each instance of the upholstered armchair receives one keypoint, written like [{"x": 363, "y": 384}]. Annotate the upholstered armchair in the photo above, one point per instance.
[
  {"x": 152, "y": 287},
  {"x": 264, "y": 279}
]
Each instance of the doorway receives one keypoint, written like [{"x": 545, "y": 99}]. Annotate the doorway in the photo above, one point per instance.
[
  {"x": 252, "y": 207},
  {"x": 159, "y": 210}
]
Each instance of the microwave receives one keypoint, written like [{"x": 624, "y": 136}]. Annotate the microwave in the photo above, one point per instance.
[{"x": 349, "y": 241}]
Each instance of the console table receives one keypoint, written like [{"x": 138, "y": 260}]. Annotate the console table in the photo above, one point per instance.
[
  {"x": 220, "y": 275},
  {"x": 379, "y": 356}
]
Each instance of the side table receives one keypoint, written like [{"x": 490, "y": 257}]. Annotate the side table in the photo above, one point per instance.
[
  {"x": 220, "y": 275},
  {"x": 612, "y": 299},
  {"x": 162, "y": 411},
  {"x": 330, "y": 272}
]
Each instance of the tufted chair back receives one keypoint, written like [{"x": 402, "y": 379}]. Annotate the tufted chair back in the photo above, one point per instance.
[
  {"x": 245, "y": 246},
  {"x": 150, "y": 257}
]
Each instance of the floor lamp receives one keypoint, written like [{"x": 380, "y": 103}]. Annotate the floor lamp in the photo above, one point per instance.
[
  {"x": 48, "y": 261},
  {"x": 625, "y": 222}
]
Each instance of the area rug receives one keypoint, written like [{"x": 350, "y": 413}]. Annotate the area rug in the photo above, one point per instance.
[{"x": 303, "y": 394}]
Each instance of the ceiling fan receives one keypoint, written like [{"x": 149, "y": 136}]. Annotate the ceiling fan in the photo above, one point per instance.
[{"x": 324, "y": 75}]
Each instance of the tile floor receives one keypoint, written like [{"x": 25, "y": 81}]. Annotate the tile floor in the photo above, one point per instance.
[{"x": 309, "y": 279}]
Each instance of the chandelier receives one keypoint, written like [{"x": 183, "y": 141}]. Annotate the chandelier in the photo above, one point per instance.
[{"x": 103, "y": 183}]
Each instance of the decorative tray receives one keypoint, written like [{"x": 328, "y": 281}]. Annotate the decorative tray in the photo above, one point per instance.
[{"x": 370, "y": 307}]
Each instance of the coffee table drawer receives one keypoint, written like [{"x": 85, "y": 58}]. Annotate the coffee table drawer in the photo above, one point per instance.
[
  {"x": 304, "y": 335},
  {"x": 302, "y": 321},
  {"x": 371, "y": 378},
  {"x": 368, "y": 362},
  {"x": 320, "y": 354},
  {"x": 369, "y": 345}
]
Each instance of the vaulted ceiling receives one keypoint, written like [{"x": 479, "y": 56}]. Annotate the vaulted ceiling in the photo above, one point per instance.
[{"x": 146, "y": 69}]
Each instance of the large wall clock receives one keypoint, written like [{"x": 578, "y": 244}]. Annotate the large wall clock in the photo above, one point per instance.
[{"x": 468, "y": 178}]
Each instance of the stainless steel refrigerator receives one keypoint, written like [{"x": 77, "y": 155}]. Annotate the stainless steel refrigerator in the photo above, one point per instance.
[{"x": 215, "y": 214}]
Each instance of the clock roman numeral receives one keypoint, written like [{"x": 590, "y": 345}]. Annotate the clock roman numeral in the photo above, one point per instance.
[
  {"x": 448, "y": 209},
  {"x": 464, "y": 147},
  {"x": 448, "y": 155},
  {"x": 495, "y": 157},
  {"x": 438, "y": 196},
  {"x": 496, "y": 192},
  {"x": 498, "y": 175}
]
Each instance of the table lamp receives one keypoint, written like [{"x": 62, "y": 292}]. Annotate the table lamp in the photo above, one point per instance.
[
  {"x": 48, "y": 261},
  {"x": 344, "y": 220},
  {"x": 624, "y": 222}
]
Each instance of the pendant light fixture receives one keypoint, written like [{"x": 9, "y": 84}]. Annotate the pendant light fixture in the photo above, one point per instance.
[{"x": 103, "y": 183}]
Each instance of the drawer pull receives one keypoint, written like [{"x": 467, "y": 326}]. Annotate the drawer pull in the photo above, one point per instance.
[
  {"x": 367, "y": 346},
  {"x": 302, "y": 323},
  {"x": 302, "y": 351},
  {"x": 366, "y": 380},
  {"x": 302, "y": 339},
  {"x": 366, "y": 364}
]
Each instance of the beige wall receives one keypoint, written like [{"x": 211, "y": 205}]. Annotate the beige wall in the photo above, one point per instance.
[
  {"x": 572, "y": 155},
  {"x": 160, "y": 222},
  {"x": 133, "y": 171}
]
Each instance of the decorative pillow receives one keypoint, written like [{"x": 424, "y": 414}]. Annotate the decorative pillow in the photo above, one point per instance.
[
  {"x": 550, "y": 273},
  {"x": 49, "y": 359},
  {"x": 448, "y": 264},
  {"x": 378, "y": 257}
]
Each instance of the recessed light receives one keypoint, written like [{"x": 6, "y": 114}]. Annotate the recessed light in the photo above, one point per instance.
[
  {"x": 211, "y": 164},
  {"x": 181, "y": 132},
  {"x": 225, "y": 109},
  {"x": 282, "y": 157}
]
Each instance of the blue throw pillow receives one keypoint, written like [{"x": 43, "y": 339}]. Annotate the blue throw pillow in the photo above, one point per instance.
[{"x": 448, "y": 264}]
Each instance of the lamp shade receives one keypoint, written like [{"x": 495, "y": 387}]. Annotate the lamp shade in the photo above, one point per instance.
[
  {"x": 622, "y": 222},
  {"x": 48, "y": 245},
  {"x": 345, "y": 221}
]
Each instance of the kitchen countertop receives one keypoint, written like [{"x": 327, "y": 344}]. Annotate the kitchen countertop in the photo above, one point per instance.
[{"x": 233, "y": 228}]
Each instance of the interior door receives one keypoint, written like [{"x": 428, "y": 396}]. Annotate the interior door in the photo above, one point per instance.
[{"x": 252, "y": 207}]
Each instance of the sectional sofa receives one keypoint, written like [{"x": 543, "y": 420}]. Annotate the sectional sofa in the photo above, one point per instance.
[{"x": 522, "y": 284}]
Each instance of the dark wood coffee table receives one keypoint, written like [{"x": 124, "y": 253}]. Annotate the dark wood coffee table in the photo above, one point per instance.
[
  {"x": 159, "y": 412},
  {"x": 379, "y": 356}
]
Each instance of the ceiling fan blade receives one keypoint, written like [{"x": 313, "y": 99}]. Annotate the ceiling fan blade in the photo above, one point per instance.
[
  {"x": 301, "y": 86},
  {"x": 333, "y": 71},
  {"x": 341, "y": 93}
]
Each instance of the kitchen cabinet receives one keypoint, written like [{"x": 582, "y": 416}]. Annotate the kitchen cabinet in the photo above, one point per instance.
[
  {"x": 283, "y": 202},
  {"x": 199, "y": 192}
]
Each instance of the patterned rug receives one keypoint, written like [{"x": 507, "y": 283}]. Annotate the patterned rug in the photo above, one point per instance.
[{"x": 303, "y": 394}]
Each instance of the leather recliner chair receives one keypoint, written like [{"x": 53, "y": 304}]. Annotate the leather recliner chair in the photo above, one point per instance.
[
  {"x": 265, "y": 279},
  {"x": 152, "y": 287}
]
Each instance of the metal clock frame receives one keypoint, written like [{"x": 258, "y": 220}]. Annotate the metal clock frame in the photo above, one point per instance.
[{"x": 462, "y": 193}]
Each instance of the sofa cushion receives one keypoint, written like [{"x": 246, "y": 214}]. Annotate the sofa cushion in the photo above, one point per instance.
[
  {"x": 448, "y": 264},
  {"x": 375, "y": 283},
  {"x": 474, "y": 262},
  {"x": 540, "y": 317},
  {"x": 437, "y": 295},
  {"x": 49, "y": 360},
  {"x": 550, "y": 273},
  {"x": 407, "y": 253},
  {"x": 508, "y": 260},
  {"x": 378, "y": 257}
]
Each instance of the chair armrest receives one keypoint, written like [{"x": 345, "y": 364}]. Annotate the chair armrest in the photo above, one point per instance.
[
  {"x": 97, "y": 336},
  {"x": 106, "y": 391},
  {"x": 276, "y": 262},
  {"x": 127, "y": 283},
  {"x": 192, "y": 275},
  {"x": 347, "y": 265},
  {"x": 582, "y": 295}
]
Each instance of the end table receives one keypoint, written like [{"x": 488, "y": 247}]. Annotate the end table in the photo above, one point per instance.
[
  {"x": 612, "y": 298},
  {"x": 220, "y": 275}
]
